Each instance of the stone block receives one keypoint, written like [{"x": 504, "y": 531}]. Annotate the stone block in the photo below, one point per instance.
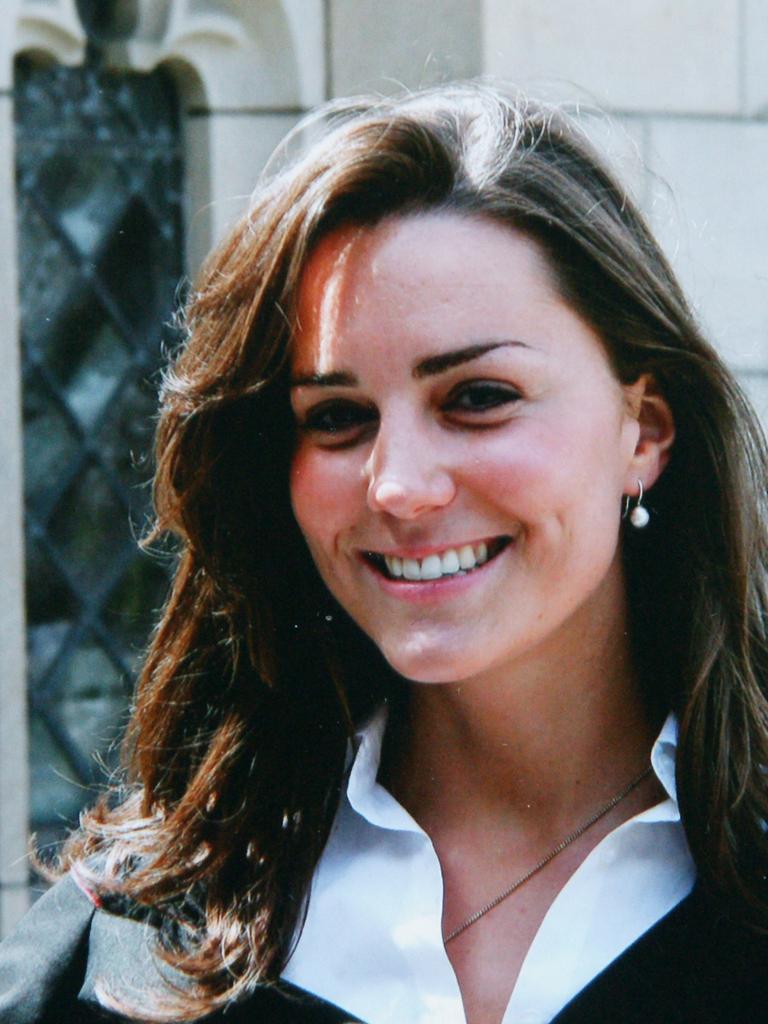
[
  {"x": 709, "y": 208},
  {"x": 382, "y": 47},
  {"x": 755, "y": 50},
  {"x": 637, "y": 55},
  {"x": 225, "y": 153}
]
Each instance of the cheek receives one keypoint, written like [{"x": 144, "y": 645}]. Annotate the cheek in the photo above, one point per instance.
[
  {"x": 531, "y": 471},
  {"x": 562, "y": 486},
  {"x": 323, "y": 489}
]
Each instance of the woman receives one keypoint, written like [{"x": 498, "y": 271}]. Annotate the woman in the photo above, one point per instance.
[{"x": 455, "y": 478}]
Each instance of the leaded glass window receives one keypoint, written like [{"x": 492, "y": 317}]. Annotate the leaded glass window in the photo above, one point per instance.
[{"x": 100, "y": 254}]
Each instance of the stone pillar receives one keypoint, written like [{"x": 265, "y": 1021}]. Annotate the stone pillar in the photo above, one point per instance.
[
  {"x": 13, "y": 695},
  {"x": 52, "y": 28}
]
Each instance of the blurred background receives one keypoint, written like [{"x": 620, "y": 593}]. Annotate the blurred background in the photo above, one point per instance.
[{"x": 131, "y": 134}]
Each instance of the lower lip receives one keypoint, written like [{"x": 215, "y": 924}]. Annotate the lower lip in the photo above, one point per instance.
[{"x": 429, "y": 591}]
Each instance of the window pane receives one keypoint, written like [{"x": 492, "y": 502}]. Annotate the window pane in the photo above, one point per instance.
[{"x": 99, "y": 225}]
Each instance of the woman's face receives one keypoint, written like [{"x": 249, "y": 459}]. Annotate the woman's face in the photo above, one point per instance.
[{"x": 462, "y": 445}]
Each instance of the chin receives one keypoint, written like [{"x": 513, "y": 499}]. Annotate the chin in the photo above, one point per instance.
[{"x": 428, "y": 663}]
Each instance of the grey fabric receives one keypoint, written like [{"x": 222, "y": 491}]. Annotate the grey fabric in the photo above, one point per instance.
[
  {"x": 64, "y": 952},
  {"x": 42, "y": 962},
  {"x": 120, "y": 961}
]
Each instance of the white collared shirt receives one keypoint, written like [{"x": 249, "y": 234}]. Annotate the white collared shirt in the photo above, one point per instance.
[{"x": 372, "y": 941}]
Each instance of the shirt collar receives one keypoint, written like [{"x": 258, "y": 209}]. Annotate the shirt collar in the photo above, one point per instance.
[
  {"x": 376, "y": 805},
  {"x": 663, "y": 756},
  {"x": 365, "y": 793}
]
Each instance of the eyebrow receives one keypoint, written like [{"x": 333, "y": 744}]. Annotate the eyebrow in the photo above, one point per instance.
[
  {"x": 433, "y": 365},
  {"x": 428, "y": 367},
  {"x": 339, "y": 378}
]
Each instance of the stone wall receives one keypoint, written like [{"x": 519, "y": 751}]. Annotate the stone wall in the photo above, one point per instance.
[{"x": 688, "y": 82}]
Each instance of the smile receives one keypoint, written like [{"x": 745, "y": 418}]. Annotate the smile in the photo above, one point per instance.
[{"x": 456, "y": 561}]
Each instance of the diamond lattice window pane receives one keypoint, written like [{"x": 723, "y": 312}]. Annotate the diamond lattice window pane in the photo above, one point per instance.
[
  {"x": 94, "y": 379},
  {"x": 134, "y": 251},
  {"x": 90, "y": 528},
  {"x": 51, "y": 602},
  {"x": 91, "y": 699},
  {"x": 99, "y": 224},
  {"x": 85, "y": 354},
  {"x": 56, "y": 791},
  {"x": 83, "y": 191},
  {"x": 140, "y": 592},
  {"x": 126, "y": 439},
  {"x": 50, "y": 443},
  {"x": 47, "y": 278}
]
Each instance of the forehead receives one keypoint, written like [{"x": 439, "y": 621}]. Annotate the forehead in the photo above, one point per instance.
[
  {"x": 422, "y": 249},
  {"x": 428, "y": 281}
]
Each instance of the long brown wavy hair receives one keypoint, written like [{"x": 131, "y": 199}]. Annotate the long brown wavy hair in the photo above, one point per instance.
[{"x": 255, "y": 678}]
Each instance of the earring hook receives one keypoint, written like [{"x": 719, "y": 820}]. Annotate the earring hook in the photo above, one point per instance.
[{"x": 639, "y": 516}]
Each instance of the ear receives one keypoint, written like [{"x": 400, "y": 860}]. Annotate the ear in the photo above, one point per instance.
[{"x": 648, "y": 407}]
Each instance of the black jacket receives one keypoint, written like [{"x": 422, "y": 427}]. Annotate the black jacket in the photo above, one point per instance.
[{"x": 693, "y": 967}]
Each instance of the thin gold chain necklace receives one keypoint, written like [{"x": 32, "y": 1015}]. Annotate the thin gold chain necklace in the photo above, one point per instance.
[{"x": 550, "y": 856}]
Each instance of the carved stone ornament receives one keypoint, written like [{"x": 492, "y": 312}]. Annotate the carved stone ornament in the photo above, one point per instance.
[{"x": 226, "y": 54}]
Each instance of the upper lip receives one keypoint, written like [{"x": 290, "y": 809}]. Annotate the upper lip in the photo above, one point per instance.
[{"x": 419, "y": 551}]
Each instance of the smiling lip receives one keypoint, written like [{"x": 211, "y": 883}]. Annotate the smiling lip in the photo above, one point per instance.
[{"x": 436, "y": 564}]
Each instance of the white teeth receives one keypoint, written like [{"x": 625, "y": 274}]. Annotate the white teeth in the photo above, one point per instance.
[
  {"x": 467, "y": 558},
  {"x": 411, "y": 569},
  {"x": 432, "y": 567},
  {"x": 449, "y": 563}
]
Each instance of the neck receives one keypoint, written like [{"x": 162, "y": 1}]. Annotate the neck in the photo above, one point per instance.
[{"x": 558, "y": 731}]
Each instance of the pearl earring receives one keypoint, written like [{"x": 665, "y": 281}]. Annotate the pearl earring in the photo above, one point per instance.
[{"x": 639, "y": 516}]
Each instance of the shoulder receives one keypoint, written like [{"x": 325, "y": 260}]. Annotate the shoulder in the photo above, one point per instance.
[
  {"x": 66, "y": 950},
  {"x": 42, "y": 962}
]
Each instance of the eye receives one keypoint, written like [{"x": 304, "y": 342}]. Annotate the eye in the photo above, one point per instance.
[
  {"x": 482, "y": 396},
  {"x": 337, "y": 420}
]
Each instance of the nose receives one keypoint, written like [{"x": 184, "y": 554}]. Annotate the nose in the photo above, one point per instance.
[{"x": 406, "y": 474}]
